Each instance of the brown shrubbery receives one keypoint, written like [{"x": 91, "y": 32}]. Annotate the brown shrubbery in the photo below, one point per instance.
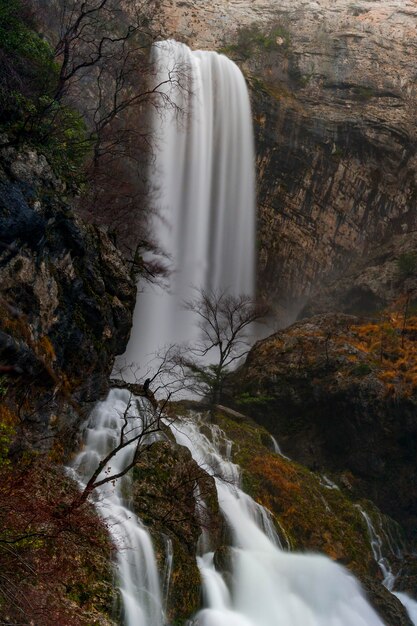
[{"x": 54, "y": 559}]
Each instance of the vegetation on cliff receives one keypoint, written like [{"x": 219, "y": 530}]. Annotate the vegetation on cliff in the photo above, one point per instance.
[
  {"x": 30, "y": 112},
  {"x": 55, "y": 561},
  {"x": 339, "y": 393}
]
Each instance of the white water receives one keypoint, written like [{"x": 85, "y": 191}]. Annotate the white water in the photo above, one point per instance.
[
  {"x": 204, "y": 193},
  {"x": 137, "y": 574},
  {"x": 203, "y": 176},
  {"x": 410, "y": 604},
  {"x": 206, "y": 223},
  {"x": 376, "y": 545},
  {"x": 270, "y": 587},
  {"x": 389, "y": 577}
]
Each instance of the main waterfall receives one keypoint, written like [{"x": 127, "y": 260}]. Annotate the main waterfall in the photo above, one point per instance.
[
  {"x": 203, "y": 192},
  {"x": 204, "y": 196}
]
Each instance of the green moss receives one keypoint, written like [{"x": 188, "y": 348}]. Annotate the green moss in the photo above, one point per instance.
[
  {"x": 252, "y": 40},
  {"x": 362, "y": 369},
  {"x": 363, "y": 94},
  {"x": 258, "y": 400},
  {"x": 29, "y": 111},
  {"x": 407, "y": 264}
]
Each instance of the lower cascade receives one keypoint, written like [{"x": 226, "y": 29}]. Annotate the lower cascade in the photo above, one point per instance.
[
  {"x": 209, "y": 233},
  {"x": 137, "y": 574},
  {"x": 270, "y": 587}
]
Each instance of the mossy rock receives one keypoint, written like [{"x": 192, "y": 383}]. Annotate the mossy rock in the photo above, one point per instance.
[
  {"x": 312, "y": 516},
  {"x": 166, "y": 481}
]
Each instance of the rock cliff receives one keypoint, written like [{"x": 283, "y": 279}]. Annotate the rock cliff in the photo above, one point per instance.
[
  {"x": 66, "y": 301},
  {"x": 334, "y": 102}
]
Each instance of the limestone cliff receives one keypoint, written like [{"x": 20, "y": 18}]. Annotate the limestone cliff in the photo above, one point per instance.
[{"x": 334, "y": 102}]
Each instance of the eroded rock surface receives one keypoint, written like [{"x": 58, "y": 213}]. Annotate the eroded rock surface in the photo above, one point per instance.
[
  {"x": 334, "y": 100},
  {"x": 66, "y": 299}
]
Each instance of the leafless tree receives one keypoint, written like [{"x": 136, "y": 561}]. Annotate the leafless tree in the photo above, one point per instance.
[
  {"x": 166, "y": 382},
  {"x": 226, "y": 326},
  {"x": 107, "y": 73}
]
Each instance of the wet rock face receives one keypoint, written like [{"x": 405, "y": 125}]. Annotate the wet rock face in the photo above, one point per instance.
[
  {"x": 386, "y": 276},
  {"x": 334, "y": 102},
  {"x": 320, "y": 388},
  {"x": 166, "y": 481},
  {"x": 66, "y": 295}
]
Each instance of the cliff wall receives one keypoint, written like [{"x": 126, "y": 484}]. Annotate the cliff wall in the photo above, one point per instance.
[{"x": 334, "y": 103}]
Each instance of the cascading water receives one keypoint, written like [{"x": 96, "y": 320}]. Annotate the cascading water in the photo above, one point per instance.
[
  {"x": 137, "y": 573},
  {"x": 203, "y": 192},
  {"x": 389, "y": 577},
  {"x": 270, "y": 587},
  {"x": 203, "y": 176}
]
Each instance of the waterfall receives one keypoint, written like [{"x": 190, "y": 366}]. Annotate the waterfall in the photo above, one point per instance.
[
  {"x": 202, "y": 177},
  {"x": 376, "y": 546},
  {"x": 203, "y": 180},
  {"x": 270, "y": 587},
  {"x": 389, "y": 577},
  {"x": 203, "y": 196},
  {"x": 137, "y": 574}
]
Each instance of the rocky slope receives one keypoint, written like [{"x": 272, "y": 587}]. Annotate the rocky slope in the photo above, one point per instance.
[
  {"x": 65, "y": 311},
  {"x": 339, "y": 394},
  {"x": 66, "y": 300},
  {"x": 334, "y": 101}
]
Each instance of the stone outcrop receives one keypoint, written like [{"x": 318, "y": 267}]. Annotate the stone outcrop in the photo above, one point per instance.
[
  {"x": 387, "y": 277},
  {"x": 339, "y": 394},
  {"x": 66, "y": 299},
  {"x": 334, "y": 102},
  {"x": 166, "y": 481}
]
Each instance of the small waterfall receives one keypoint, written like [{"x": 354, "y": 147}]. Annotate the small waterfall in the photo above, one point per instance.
[
  {"x": 277, "y": 449},
  {"x": 376, "y": 545},
  {"x": 137, "y": 573},
  {"x": 389, "y": 577},
  {"x": 204, "y": 193},
  {"x": 270, "y": 587}
]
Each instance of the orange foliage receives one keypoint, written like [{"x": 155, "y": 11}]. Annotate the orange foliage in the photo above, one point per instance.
[{"x": 48, "y": 551}]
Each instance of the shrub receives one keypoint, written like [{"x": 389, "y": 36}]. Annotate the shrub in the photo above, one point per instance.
[
  {"x": 251, "y": 39},
  {"x": 29, "y": 77},
  {"x": 407, "y": 264}
]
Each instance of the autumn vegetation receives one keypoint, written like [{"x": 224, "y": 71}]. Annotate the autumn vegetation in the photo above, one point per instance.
[{"x": 54, "y": 560}]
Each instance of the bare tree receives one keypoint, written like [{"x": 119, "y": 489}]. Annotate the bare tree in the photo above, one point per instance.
[
  {"x": 166, "y": 382},
  {"x": 226, "y": 326},
  {"x": 106, "y": 72}
]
